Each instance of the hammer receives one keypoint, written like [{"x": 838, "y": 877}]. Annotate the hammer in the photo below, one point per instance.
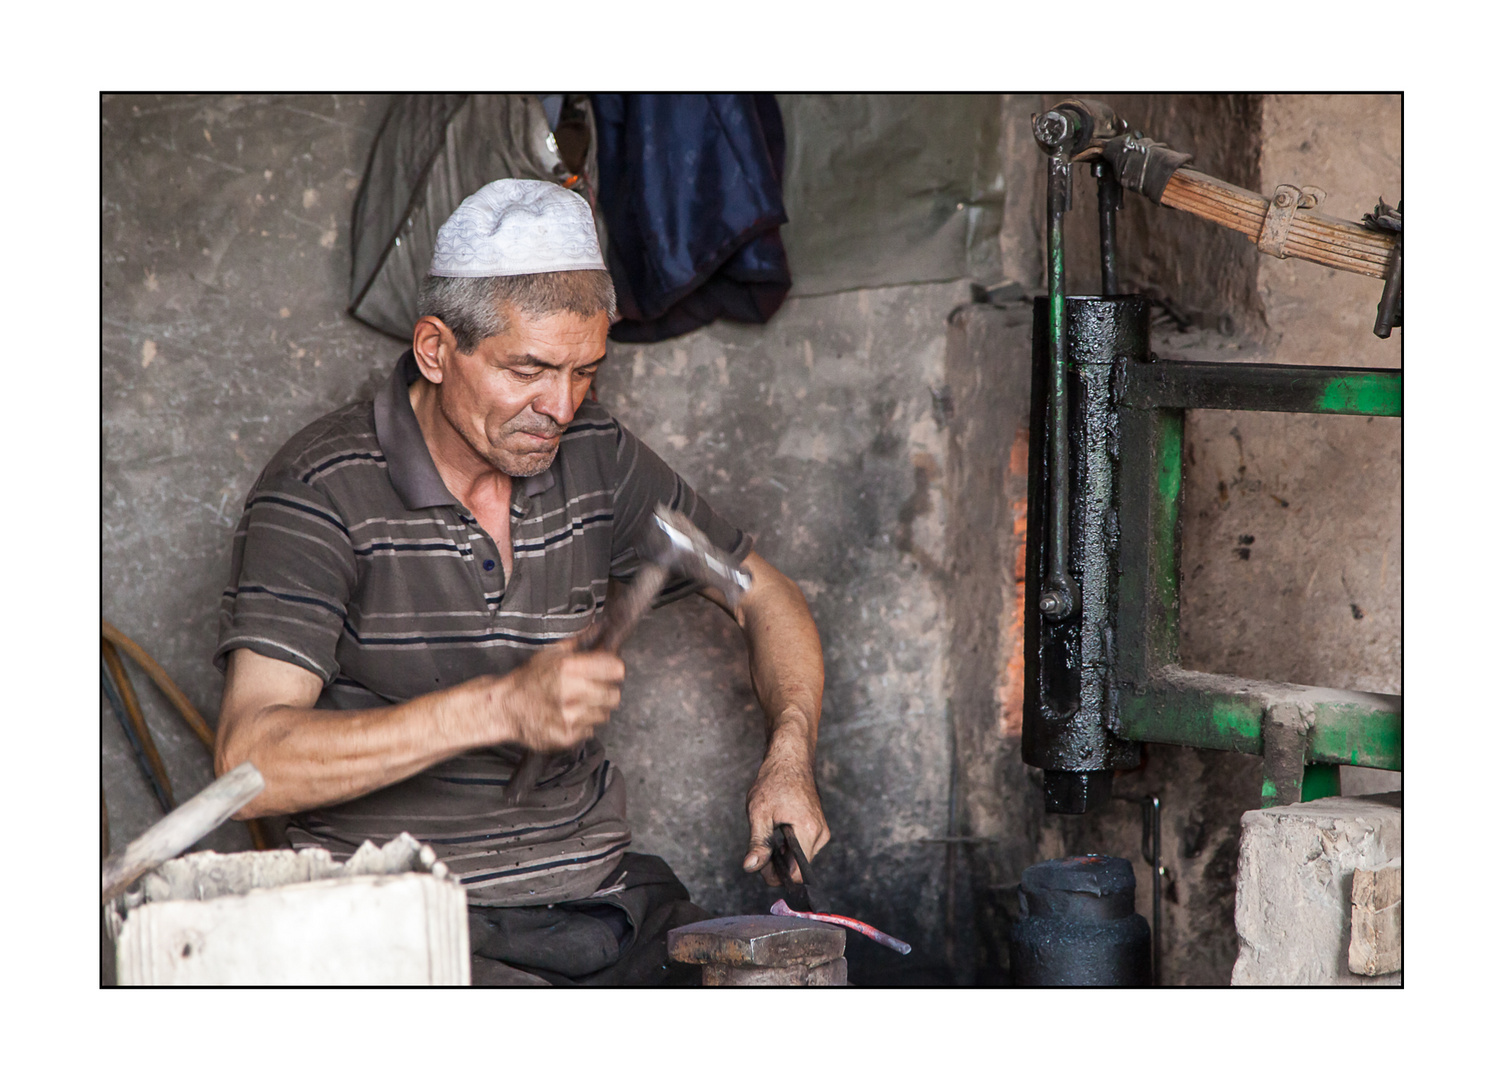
[{"x": 672, "y": 545}]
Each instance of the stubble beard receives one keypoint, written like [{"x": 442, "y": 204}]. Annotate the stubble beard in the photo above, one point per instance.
[{"x": 509, "y": 462}]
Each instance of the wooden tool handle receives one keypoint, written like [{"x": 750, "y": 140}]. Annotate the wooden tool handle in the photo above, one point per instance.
[
  {"x": 180, "y": 830},
  {"x": 607, "y": 634},
  {"x": 629, "y": 608},
  {"x": 1318, "y": 238}
]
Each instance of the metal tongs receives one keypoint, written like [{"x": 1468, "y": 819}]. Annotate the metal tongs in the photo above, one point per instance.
[{"x": 802, "y": 897}]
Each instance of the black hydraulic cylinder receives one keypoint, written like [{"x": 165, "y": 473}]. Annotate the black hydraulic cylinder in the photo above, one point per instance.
[
  {"x": 1068, "y": 659},
  {"x": 1077, "y": 926}
]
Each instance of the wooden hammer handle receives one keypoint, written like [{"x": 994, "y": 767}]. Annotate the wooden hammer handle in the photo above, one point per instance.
[
  {"x": 628, "y": 609},
  {"x": 607, "y": 634}
]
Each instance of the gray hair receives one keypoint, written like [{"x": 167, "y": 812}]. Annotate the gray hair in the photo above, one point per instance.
[{"x": 473, "y": 308}]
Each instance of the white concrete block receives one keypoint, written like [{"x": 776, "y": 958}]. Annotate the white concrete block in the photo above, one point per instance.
[
  {"x": 1296, "y": 869},
  {"x": 386, "y": 917}
]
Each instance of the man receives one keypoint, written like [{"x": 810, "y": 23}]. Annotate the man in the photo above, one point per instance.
[{"x": 408, "y": 578}]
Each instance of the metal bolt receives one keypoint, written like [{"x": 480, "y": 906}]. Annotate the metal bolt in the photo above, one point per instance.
[
  {"x": 1283, "y": 199},
  {"x": 1052, "y": 128}
]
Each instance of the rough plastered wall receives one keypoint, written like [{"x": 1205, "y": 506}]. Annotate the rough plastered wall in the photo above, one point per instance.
[
  {"x": 225, "y": 262},
  {"x": 820, "y": 433},
  {"x": 1321, "y": 496},
  {"x": 1291, "y": 525},
  {"x": 987, "y": 372}
]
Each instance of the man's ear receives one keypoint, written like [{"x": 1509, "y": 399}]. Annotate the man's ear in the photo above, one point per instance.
[{"x": 434, "y": 344}]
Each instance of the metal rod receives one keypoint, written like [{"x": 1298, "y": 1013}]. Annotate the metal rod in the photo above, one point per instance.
[
  {"x": 177, "y": 832},
  {"x": 1109, "y": 202},
  {"x": 1058, "y": 597},
  {"x": 1389, "y": 310},
  {"x": 1150, "y": 849}
]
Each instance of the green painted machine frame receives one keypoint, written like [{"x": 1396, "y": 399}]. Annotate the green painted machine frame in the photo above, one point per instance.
[{"x": 1303, "y": 732}]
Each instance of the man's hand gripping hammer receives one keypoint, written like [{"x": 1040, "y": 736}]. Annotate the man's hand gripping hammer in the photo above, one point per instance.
[{"x": 672, "y": 545}]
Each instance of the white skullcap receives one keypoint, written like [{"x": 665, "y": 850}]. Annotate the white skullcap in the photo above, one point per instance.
[{"x": 513, "y": 227}]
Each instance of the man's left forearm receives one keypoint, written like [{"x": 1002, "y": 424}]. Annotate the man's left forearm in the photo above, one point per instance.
[
  {"x": 787, "y": 673},
  {"x": 787, "y": 663}
]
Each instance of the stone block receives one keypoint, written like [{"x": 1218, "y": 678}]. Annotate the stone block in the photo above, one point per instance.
[
  {"x": 390, "y": 916},
  {"x": 1294, "y": 905}
]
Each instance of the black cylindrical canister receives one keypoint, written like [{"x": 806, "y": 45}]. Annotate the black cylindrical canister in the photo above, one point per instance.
[
  {"x": 1077, "y": 926},
  {"x": 1068, "y": 699}
]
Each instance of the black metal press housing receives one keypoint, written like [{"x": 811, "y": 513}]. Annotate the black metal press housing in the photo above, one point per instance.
[{"x": 1102, "y": 669}]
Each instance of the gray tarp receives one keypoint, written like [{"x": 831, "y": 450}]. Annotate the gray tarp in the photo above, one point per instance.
[
  {"x": 886, "y": 189},
  {"x": 432, "y": 152}
]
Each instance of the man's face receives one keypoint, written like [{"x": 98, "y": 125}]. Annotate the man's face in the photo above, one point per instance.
[{"x": 512, "y": 398}]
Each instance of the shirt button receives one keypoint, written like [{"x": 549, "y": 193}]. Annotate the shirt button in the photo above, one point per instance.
[{"x": 488, "y": 564}]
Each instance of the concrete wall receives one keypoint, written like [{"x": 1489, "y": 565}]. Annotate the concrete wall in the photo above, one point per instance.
[
  {"x": 1318, "y": 598},
  {"x": 820, "y": 433},
  {"x": 224, "y": 261}
]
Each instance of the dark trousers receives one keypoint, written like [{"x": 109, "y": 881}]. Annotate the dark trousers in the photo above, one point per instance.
[{"x": 616, "y": 939}]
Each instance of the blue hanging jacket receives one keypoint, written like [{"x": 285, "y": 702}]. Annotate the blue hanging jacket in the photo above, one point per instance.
[{"x": 690, "y": 190}]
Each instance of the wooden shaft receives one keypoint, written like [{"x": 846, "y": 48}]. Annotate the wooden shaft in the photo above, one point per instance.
[
  {"x": 180, "y": 830},
  {"x": 608, "y": 635},
  {"x": 630, "y": 608},
  {"x": 1315, "y": 237},
  {"x": 160, "y": 677},
  {"x": 134, "y": 714}
]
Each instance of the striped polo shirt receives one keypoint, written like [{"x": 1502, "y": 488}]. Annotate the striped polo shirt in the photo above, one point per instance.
[{"x": 353, "y": 560}]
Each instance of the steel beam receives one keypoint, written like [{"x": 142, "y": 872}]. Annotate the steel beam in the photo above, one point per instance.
[
  {"x": 1222, "y": 712},
  {"x": 1185, "y": 384}
]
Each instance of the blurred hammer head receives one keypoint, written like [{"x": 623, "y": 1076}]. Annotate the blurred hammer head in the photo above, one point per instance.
[{"x": 677, "y": 544}]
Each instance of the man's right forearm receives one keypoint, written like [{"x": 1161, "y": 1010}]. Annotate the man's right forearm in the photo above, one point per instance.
[{"x": 315, "y": 757}]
